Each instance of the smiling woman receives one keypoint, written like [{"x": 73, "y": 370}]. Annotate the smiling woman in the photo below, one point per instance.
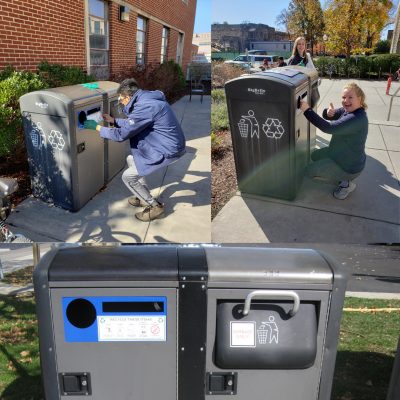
[{"x": 344, "y": 159}]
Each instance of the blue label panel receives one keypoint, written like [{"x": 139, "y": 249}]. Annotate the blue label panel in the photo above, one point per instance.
[{"x": 114, "y": 318}]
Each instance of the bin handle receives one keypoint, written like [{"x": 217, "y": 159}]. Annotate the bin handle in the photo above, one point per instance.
[{"x": 272, "y": 295}]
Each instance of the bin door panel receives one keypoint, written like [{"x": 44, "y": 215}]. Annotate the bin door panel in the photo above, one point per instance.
[
  {"x": 267, "y": 338},
  {"x": 89, "y": 158},
  {"x": 49, "y": 156},
  {"x": 301, "y": 141},
  {"x": 261, "y": 137},
  {"x": 275, "y": 356},
  {"x": 115, "y": 152},
  {"x": 124, "y": 338}
]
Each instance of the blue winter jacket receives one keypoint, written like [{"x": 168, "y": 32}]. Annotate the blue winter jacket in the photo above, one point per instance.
[{"x": 155, "y": 135}]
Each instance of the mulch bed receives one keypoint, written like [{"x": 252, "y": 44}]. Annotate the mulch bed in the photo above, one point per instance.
[
  {"x": 223, "y": 173},
  {"x": 16, "y": 166}
]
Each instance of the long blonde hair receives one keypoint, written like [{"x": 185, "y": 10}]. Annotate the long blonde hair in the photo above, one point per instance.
[
  {"x": 295, "y": 50},
  {"x": 358, "y": 91}
]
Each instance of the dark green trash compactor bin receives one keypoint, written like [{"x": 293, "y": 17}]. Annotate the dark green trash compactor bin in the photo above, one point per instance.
[
  {"x": 271, "y": 137},
  {"x": 188, "y": 322}
]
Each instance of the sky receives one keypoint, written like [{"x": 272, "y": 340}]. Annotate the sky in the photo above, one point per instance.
[
  {"x": 237, "y": 11},
  {"x": 202, "y": 23}
]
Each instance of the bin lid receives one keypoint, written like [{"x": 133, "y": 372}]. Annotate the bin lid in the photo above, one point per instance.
[
  {"x": 115, "y": 263},
  {"x": 269, "y": 265},
  {"x": 293, "y": 70},
  {"x": 286, "y": 76},
  {"x": 108, "y": 87},
  {"x": 55, "y": 101}
]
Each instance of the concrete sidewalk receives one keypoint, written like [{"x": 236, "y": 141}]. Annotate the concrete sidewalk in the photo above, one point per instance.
[
  {"x": 184, "y": 187},
  {"x": 371, "y": 214}
]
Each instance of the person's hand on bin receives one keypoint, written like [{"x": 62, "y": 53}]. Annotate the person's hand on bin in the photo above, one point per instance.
[
  {"x": 90, "y": 124},
  {"x": 304, "y": 106},
  {"x": 108, "y": 118}
]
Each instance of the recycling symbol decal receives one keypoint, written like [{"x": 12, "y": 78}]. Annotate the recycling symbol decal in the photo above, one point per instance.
[
  {"x": 56, "y": 140},
  {"x": 273, "y": 128}
]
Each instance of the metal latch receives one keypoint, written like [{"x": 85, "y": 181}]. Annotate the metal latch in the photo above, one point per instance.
[
  {"x": 221, "y": 383},
  {"x": 80, "y": 148}
]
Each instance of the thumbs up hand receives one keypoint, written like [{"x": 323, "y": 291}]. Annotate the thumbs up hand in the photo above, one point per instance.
[{"x": 331, "y": 111}]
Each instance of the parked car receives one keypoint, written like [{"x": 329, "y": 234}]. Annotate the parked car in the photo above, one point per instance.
[{"x": 256, "y": 61}]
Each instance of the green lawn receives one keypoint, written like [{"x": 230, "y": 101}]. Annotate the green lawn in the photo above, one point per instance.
[{"x": 366, "y": 351}]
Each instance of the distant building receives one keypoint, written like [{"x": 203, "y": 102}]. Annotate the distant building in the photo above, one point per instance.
[
  {"x": 203, "y": 41},
  {"x": 238, "y": 37},
  {"x": 101, "y": 37},
  {"x": 390, "y": 38},
  {"x": 273, "y": 47}
]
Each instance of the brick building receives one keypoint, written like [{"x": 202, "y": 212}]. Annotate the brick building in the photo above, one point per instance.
[
  {"x": 237, "y": 37},
  {"x": 102, "y": 37}
]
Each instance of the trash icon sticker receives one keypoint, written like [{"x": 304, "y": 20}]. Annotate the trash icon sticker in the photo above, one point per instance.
[
  {"x": 248, "y": 123},
  {"x": 268, "y": 332},
  {"x": 273, "y": 128},
  {"x": 38, "y": 136}
]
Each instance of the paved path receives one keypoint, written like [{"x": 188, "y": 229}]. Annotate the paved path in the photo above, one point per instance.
[
  {"x": 370, "y": 215},
  {"x": 184, "y": 187}
]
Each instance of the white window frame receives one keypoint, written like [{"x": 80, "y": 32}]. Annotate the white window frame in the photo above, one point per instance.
[
  {"x": 92, "y": 68},
  {"x": 164, "y": 44},
  {"x": 144, "y": 53},
  {"x": 179, "y": 48}
]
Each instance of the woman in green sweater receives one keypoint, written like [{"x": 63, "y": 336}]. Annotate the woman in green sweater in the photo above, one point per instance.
[{"x": 344, "y": 159}]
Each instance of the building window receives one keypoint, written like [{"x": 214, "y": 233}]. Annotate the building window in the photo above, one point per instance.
[
  {"x": 98, "y": 39},
  {"x": 179, "y": 49},
  {"x": 141, "y": 40},
  {"x": 164, "y": 44}
]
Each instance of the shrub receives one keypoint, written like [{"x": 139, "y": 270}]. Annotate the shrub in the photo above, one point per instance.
[
  {"x": 215, "y": 142},
  {"x": 358, "y": 66},
  {"x": 221, "y": 73},
  {"x": 219, "y": 117},
  {"x": 11, "y": 89},
  {"x": 167, "y": 77},
  {"x": 55, "y": 75},
  {"x": 218, "y": 95},
  {"x": 383, "y": 46}
]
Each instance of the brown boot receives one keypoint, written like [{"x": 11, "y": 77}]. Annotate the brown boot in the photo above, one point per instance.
[
  {"x": 150, "y": 213},
  {"x": 135, "y": 202}
]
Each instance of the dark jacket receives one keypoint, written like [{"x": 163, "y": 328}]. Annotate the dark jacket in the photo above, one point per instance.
[
  {"x": 349, "y": 133},
  {"x": 155, "y": 135}
]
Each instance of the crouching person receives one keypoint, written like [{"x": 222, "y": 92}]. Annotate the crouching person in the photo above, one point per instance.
[
  {"x": 344, "y": 159},
  {"x": 156, "y": 140}
]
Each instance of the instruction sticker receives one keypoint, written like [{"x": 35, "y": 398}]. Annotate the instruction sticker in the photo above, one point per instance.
[
  {"x": 132, "y": 328},
  {"x": 243, "y": 334}
]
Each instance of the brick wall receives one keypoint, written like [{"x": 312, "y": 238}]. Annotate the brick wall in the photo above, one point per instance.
[
  {"x": 36, "y": 30},
  {"x": 53, "y": 30}
]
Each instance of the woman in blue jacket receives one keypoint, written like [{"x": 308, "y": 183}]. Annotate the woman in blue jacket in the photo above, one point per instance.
[
  {"x": 156, "y": 140},
  {"x": 344, "y": 159}
]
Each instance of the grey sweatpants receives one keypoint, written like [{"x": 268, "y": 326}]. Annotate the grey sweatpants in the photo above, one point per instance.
[{"x": 136, "y": 183}]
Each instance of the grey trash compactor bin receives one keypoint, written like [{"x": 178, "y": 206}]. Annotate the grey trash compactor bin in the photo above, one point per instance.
[
  {"x": 69, "y": 164},
  {"x": 271, "y": 138},
  {"x": 188, "y": 322}
]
